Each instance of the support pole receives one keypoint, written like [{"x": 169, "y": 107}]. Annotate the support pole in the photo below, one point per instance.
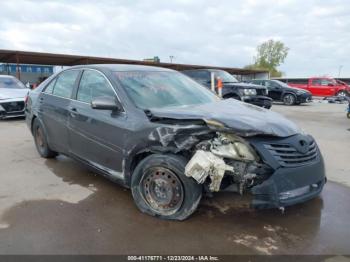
[
  {"x": 18, "y": 73},
  {"x": 212, "y": 81}
]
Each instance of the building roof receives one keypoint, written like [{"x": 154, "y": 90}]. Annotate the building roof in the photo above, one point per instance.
[
  {"x": 25, "y": 57},
  {"x": 125, "y": 67}
]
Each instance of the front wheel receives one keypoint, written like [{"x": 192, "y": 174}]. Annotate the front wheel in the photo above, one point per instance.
[
  {"x": 160, "y": 187},
  {"x": 289, "y": 99}
]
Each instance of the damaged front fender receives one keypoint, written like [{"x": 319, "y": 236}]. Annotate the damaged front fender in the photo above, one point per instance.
[{"x": 220, "y": 158}]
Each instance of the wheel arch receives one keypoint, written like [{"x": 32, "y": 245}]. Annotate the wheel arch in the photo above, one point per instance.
[
  {"x": 141, "y": 155},
  {"x": 288, "y": 93}
]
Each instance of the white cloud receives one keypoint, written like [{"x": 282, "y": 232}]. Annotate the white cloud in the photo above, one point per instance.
[{"x": 222, "y": 33}]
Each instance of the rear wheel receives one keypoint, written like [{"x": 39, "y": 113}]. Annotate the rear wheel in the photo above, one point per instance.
[
  {"x": 348, "y": 115},
  {"x": 289, "y": 99},
  {"x": 41, "y": 141},
  {"x": 160, "y": 188}
]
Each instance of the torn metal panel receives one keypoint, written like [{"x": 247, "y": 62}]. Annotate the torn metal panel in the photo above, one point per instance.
[
  {"x": 178, "y": 136},
  {"x": 211, "y": 163},
  {"x": 204, "y": 164}
]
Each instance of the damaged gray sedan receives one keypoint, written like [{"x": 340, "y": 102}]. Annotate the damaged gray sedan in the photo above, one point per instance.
[{"x": 170, "y": 140}]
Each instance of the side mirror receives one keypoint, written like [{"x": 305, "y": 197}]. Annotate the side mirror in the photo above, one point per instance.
[{"x": 106, "y": 103}]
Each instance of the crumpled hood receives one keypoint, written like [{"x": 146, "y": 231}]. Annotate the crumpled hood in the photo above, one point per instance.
[
  {"x": 9, "y": 93},
  {"x": 240, "y": 118}
]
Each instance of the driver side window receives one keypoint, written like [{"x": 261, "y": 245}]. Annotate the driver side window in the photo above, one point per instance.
[{"x": 92, "y": 85}]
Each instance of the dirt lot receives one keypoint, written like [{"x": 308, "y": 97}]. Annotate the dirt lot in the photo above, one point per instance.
[{"x": 60, "y": 207}]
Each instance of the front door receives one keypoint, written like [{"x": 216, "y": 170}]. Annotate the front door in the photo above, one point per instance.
[{"x": 96, "y": 136}]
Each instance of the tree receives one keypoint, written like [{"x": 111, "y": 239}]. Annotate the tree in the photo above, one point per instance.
[{"x": 270, "y": 55}]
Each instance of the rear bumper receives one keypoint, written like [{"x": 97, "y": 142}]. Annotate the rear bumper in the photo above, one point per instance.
[{"x": 262, "y": 101}]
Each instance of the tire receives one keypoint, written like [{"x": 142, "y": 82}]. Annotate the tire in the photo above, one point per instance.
[
  {"x": 161, "y": 189},
  {"x": 348, "y": 115},
  {"x": 41, "y": 141},
  {"x": 289, "y": 99},
  {"x": 342, "y": 93}
]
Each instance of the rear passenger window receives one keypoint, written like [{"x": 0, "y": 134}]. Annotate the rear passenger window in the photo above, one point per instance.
[
  {"x": 65, "y": 83},
  {"x": 198, "y": 75},
  {"x": 93, "y": 84},
  {"x": 316, "y": 82},
  {"x": 50, "y": 86}
]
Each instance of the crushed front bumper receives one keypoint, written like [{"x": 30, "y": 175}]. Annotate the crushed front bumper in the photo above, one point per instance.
[
  {"x": 289, "y": 184},
  {"x": 304, "y": 98},
  {"x": 262, "y": 101}
]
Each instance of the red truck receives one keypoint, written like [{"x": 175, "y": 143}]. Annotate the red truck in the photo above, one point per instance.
[{"x": 319, "y": 86}]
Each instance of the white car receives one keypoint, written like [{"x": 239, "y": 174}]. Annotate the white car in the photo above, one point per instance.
[{"x": 12, "y": 96}]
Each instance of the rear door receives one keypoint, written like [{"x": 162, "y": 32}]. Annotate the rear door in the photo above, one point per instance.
[
  {"x": 96, "y": 136},
  {"x": 54, "y": 106}
]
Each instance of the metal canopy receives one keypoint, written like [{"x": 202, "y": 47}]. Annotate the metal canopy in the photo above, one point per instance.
[{"x": 25, "y": 57}]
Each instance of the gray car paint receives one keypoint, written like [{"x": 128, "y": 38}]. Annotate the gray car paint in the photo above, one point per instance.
[{"x": 113, "y": 142}]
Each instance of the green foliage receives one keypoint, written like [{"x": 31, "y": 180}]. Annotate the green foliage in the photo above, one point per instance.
[{"x": 270, "y": 55}]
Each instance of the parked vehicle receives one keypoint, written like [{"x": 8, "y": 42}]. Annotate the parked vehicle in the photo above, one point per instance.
[
  {"x": 232, "y": 88},
  {"x": 280, "y": 91},
  {"x": 169, "y": 139},
  {"x": 12, "y": 95},
  {"x": 319, "y": 86}
]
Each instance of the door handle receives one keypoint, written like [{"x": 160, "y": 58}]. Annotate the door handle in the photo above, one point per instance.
[{"x": 73, "y": 112}]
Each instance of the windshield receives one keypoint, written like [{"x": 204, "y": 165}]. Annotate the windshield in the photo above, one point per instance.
[
  {"x": 225, "y": 77},
  {"x": 10, "y": 82},
  {"x": 151, "y": 89}
]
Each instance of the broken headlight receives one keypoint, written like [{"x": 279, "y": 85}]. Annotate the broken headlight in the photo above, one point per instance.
[
  {"x": 232, "y": 147},
  {"x": 220, "y": 155}
]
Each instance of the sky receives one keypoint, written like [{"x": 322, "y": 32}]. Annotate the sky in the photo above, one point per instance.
[{"x": 220, "y": 33}]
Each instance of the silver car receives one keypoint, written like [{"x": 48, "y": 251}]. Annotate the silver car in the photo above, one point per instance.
[{"x": 12, "y": 96}]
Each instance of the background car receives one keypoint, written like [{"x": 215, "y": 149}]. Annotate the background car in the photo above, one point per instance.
[
  {"x": 12, "y": 97},
  {"x": 319, "y": 86},
  {"x": 232, "y": 88},
  {"x": 280, "y": 91}
]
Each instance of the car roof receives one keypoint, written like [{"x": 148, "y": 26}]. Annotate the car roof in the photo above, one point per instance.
[{"x": 124, "y": 67}]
